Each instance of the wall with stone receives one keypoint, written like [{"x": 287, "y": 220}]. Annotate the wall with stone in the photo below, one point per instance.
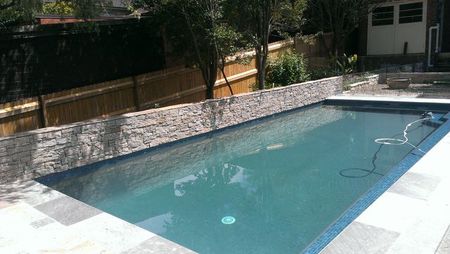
[
  {"x": 365, "y": 85},
  {"x": 417, "y": 77},
  {"x": 40, "y": 152}
]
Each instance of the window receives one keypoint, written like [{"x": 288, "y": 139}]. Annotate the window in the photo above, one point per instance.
[
  {"x": 411, "y": 13},
  {"x": 383, "y": 16}
]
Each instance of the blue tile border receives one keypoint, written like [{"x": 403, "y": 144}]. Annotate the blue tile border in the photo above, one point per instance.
[{"x": 377, "y": 190}]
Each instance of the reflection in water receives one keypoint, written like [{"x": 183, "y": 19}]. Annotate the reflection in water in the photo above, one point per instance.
[{"x": 279, "y": 180}]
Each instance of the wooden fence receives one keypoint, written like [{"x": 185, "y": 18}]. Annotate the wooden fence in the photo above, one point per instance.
[{"x": 155, "y": 89}]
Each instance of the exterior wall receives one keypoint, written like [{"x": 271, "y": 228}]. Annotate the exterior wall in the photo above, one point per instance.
[
  {"x": 364, "y": 85},
  {"x": 45, "y": 151},
  {"x": 391, "y": 39},
  {"x": 432, "y": 18}
]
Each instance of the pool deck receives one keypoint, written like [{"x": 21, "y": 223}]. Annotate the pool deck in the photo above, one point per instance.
[{"x": 413, "y": 216}]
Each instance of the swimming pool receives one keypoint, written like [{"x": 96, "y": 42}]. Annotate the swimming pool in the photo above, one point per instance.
[{"x": 272, "y": 186}]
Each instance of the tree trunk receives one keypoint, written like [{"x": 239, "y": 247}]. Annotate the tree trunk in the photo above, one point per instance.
[
  {"x": 209, "y": 92},
  {"x": 222, "y": 69},
  {"x": 210, "y": 74},
  {"x": 260, "y": 68},
  {"x": 210, "y": 80}
]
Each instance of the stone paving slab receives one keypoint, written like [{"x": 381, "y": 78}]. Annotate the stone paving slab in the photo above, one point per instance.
[
  {"x": 361, "y": 238},
  {"x": 415, "y": 185},
  {"x": 158, "y": 245},
  {"x": 67, "y": 211},
  {"x": 444, "y": 246}
]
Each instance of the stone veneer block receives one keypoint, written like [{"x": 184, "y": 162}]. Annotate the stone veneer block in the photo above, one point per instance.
[
  {"x": 63, "y": 210},
  {"x": 45, "y": 151}
]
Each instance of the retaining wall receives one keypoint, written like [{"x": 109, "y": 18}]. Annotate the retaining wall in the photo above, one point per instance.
[
  {"x": 40, "y": 152},
  {"x": 417, "y": 77}
]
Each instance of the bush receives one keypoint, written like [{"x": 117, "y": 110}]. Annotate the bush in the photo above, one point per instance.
[
  {"x": 58, "y": 8},
  {"x": 338, "y": 66},
  {"x": 289, "y": 68}
]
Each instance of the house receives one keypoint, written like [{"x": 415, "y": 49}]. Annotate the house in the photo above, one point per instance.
[
  {"x": 116, "y": 10},
  {"x": 406, "y": 31}
]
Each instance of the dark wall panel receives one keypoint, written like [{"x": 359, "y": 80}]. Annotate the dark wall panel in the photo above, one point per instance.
[
  {"x": 64, "y": 57},
  {"x": 446, "y": 31}
]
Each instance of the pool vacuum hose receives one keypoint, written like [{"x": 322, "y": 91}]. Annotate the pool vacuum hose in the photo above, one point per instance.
[{"x": 350, "y": 172}]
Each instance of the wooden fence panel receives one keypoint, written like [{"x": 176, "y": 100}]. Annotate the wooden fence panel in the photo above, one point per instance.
[
  {"x": 19, "y": 116},
  {"x": 168, "y": 87},
  {"x": 101, "y": 100}
]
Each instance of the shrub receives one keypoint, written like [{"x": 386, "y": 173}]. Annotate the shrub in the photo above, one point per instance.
[
  {"x": 58, "y": 8},
  {"x": 338, "y": 66},
  {"x": 287, "y": 69}
]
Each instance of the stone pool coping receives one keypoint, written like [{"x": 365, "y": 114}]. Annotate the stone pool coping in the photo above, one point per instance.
[{"x": 411, "y": 213}]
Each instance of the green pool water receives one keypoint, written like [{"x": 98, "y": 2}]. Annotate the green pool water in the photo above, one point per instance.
[{"x": 268, "y": 187}]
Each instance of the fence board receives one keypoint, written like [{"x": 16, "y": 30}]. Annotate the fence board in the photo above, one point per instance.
[{"x": 19, "y": 116}]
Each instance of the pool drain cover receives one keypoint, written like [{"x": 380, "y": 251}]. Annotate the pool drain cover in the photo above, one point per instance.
[{"x": 228, "y": 220}]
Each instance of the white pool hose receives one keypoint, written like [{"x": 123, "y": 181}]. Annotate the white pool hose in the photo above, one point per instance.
[{"x": 399, "y": 142}]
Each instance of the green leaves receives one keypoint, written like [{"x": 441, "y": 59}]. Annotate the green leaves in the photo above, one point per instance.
[
  {"x": 287, "y": 69},
  {"x": 14, "y": 12},
  {"x": 59, "y": 8}
]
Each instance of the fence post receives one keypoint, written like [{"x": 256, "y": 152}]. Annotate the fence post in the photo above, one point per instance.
[
  {"x": 136, "y": 98},
  {"x": 42, "y": 112}
]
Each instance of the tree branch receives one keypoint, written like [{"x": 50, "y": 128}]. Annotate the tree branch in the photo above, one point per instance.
[{"x": 8, "y": 5}]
